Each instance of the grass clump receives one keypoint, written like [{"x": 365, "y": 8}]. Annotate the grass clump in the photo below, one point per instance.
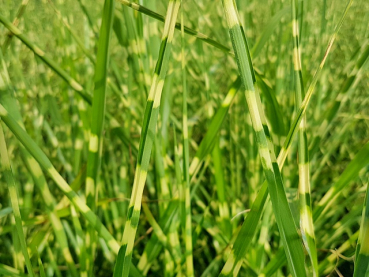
[{"x": 239, "y": 128}]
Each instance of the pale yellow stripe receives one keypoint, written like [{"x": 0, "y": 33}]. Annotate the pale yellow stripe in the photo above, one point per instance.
[
  {"x": 231, "y": 13},
  {"x": 153, "y": 88},
  {"x": 3, "y": 112},
  {"x": 158, "y": 91},
  {"x": 304, "y": 182},
  {"x": 364, "y": 239},
  {"x": 227, "y": 101},
  {"x": 94, "y": 143},
  {"x": 251, "y": 98},
  {"x": 229, "y": 264},
  {"x": 296, "y": 59},
  {"x": 295, "y": 28},
  {"x": 195, "y": 162},
  {"x": 305, "y": 222}
]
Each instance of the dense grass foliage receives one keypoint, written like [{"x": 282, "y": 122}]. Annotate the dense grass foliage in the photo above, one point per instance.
[{"x": 184, "y": 138}]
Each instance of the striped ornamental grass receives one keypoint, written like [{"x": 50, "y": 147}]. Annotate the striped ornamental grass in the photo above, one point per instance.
[{"x": 184, "y": 138}]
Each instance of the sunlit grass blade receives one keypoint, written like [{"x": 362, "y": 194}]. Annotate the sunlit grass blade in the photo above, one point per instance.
[
  {"x": 146, "y": 141},
  {"x": 350, "y": 173},
  {"x": 187, "y": 30},
  {"x": 306, "y": 220},
  {"x": 248, "y": 228},
  {"x": 282, "y": 212},
  {"x": 185, "y": 197}
]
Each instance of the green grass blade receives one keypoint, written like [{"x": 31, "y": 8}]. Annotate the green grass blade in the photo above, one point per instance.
[
  {"x": 350, "y": 173},
  {"x": 221, "y": 189},
  {"x": 282, "y": 212},
  {"x": 306, "y": 220},
  {"x": 241, "y": 245},
  {"x": 232, "y": 227},
  {"x": 146, "y": 142},
  {"x": 185, "y": 197},
  {"x": 187, "y": 30},
  {"x": 362, "y": 248},
  {"x": 97, "y": 124},
  {"x": 208, "y": 141},
  {"x": 269, "y": 29}
]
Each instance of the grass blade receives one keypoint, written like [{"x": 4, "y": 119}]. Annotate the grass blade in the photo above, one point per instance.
[
  {"x": 362, "y": 248},
  {"x": 146, "y": 142},
  {"x": 185, "y": 197},
  {"x": 187, "y": 30},
  {"x": 248, "y": 228},
  {"x": 306, "y": 220},
  {"x": 97, "y": 124},
  {"x": 282, "y": 212}
]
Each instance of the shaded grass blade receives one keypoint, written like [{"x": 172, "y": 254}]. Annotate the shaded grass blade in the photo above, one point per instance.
[
  {"x": 14, "y": 200},
  {"x": 97, "y": 124},
  {"x": 362, "y": 248}
]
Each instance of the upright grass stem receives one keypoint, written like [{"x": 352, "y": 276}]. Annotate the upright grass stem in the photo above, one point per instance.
[
  {"x": 306, "y": 220},
  {"x": 186, "y": 156},
  {"x": 249, "y": 227},
  {"x": 97, "y": 124},
  {"x": 282, "y": 212},
  {"x": 148, "y": 132}
]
